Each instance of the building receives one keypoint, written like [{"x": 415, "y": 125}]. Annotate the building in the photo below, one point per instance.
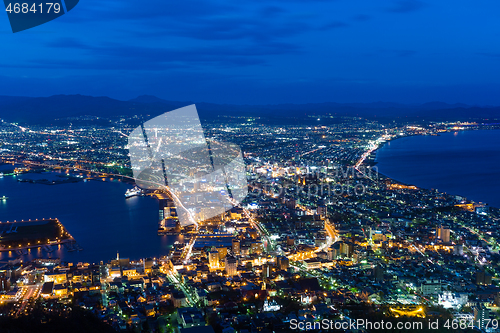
[
  {"x": 222, "y": 252},
  {"x": 483, "y": 278},
  {"x": 256, "y": 247},
  {"x": 335, "y": 253},
  {"x": 190, "y": 317},
  {"x": 377, "y": 235},
  {"x": 482, "y": 210},
  {"x": 60, "y": 291},
  {"x": 213, "y": 259},
  {"x": 129, "y": 271},
  {"x": 231, "y": 266},
  {"x": 4, "y": 282},
  {"x": 236, "y": 247},
  {"x": 236, "y": 213},
  {"x": 458, "y": 250},
  {"x": 148, "y": 265},
  {"x": 47, "y": 289},
  {"x": 58, "y": 278},
  {"x": 346, "y": 249},
  {"x": 14, "y": 295},
  {"x": 266, "y": 271},
  {"x": 443, "y": 233},
  {"x": 453, "y": 300},
  {"x": 178, "y": 299},
  {"x": 283, "y": 263},
  {"x": 481, "y": 316},
  {"x": 431, "y": 287},
  {"x": 312, "y": 264}
]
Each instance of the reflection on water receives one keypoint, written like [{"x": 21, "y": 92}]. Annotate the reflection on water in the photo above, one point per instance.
[
  {"x": 96, "y": 213},
  {"x": 463, "y": 163}
]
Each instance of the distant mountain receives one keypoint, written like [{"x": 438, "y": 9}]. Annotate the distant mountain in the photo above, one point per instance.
[
  {"x": 43, "y": 110},
  {"x": 7, "y": 100}
]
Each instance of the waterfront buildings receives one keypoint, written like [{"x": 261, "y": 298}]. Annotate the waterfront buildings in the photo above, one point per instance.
[{"x": 315, "y": 238}]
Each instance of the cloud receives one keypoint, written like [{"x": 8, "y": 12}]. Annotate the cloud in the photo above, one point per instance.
[
  {"x": 334, "y": 25},
  {"x": 126, "y": 57},
  {"x": 362, "y": 17},
  {"x": 406, "y": 6},
  {"x": 271, "y": 11}
]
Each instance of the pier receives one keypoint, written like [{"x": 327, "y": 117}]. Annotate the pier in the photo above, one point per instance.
[{"x": 23, "y": 235}]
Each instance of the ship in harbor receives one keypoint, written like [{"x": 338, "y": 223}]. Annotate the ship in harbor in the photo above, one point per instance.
[{"x": 133, "y": 192}]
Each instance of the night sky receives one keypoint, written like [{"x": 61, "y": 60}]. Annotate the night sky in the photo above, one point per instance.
[{"x": 257, "y": 52}]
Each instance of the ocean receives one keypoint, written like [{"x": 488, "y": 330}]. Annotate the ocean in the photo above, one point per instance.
[
  {"x": 96, "y": 213},
  {"x": 465, "y": 163}
]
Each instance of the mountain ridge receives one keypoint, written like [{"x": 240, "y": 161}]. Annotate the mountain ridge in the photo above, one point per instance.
[{"x": 48, "y": 109}]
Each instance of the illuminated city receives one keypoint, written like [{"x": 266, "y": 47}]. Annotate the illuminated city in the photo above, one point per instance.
[
  {"x": 269, "y": 166},
  {"x": 320, "y": 235}
]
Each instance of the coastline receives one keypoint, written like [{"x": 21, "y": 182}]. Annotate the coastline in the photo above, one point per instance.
[
  {"x": 55, "y": 233},
  {"x": 375, "y": 162},
  {"x": 96, "y": 213}
]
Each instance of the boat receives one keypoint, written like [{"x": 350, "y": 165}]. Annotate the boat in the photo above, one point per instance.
[
  {"x": 1, "y": 174},
  {"x": 3, "y": 198},
  {"x": 133, "y": 192}
]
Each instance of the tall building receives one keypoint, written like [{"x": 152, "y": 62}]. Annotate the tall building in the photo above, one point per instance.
[
  {"x": 283, "y": 263},
  {"x": 329, "y": 254},
  {"x": 481, "y": 316},
  {"x": 222, "y": 252},
  {"x": 347, "y": 249},
  {"x": 231, "y": 266},
  {"x": 213, "y": 259},
  {"x": 336, "y": 250},
  {"x": 266, "y": 271},
  {"x": 236, "y": 247},
  {"x": 4, "y": 282},
  {"x": 443, "y": 233}
]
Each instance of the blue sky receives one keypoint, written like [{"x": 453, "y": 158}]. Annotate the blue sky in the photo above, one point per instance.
[{"x": 257, "y": 52}]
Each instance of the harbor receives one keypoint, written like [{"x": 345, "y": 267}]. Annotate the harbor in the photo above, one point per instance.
[
  {"x": 95, "y": 213},
  {"x": 22, "y": 235}
]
